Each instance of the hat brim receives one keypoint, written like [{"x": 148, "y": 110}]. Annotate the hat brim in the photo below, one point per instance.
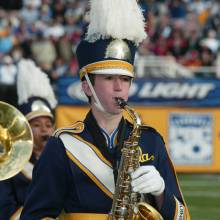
[
  {"x": 122, "y": 72},
  {"x": 113, "y": 67},
  {"x": 37, "y": 114}
]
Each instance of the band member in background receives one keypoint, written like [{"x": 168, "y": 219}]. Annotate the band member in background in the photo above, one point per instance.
[
  {"x": 77, "y": 171},
  {"x": 36, "y": 102}
]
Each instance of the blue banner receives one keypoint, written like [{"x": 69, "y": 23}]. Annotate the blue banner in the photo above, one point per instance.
[{"x": 152, "y": 92}]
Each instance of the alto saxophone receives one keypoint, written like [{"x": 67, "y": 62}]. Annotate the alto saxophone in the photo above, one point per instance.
[{"x": 128, "y": 205}]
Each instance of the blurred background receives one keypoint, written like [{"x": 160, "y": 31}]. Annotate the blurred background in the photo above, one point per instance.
[{"x": 177, "y": 89}]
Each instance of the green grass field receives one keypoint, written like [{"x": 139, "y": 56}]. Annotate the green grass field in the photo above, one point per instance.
[{"x": 202, "y": 195}]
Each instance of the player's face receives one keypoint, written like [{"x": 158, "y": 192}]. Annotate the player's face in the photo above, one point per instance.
[
  {"x": 42, "y": 128},
  {"x": 109, "y": 87}
]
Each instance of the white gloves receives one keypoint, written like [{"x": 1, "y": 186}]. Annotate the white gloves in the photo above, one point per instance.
[{"x": 146, "y": 179}]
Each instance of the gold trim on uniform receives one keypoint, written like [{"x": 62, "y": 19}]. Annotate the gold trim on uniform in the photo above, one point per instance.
[
  {"x": 186, "y": 211},
  {"x": 17, "y": 214},
  {"x": 84, "y": 216},
  {"x": 106, "y": 64},
  {"x": 180, "y": 211},
  {"x": 76, "y": 128}
]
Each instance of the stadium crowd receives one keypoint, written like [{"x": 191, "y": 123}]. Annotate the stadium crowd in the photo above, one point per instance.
[{"x": 48, "y": 31}]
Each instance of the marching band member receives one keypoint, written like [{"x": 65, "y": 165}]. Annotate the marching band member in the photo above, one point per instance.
[
  {"x": 76, "y": 173},
  {"x": 36, "y": 101}
]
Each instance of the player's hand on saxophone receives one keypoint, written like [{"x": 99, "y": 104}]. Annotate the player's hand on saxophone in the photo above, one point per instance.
[{"x": 146, "y": 179}]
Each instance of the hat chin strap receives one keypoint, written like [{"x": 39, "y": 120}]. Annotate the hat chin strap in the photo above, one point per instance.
[{"x": 97, "y": 102}]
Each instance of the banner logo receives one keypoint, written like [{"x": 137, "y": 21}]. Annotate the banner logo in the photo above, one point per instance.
[
  {"x": 74, "y": 90},
  {"x": 157, "y": 92},
  {"x": 190, "y": 138}
]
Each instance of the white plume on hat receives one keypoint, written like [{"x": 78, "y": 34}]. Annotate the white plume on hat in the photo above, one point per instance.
[
  {"x": 120, "y": 19},
  {"x": 32, "y": 82}
]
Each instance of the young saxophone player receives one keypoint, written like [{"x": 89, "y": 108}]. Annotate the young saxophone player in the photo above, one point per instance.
[{"x": 77, "y": 172}]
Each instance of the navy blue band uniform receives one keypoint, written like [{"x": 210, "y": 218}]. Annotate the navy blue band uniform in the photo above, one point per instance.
[
  {"x": 13, "y": 192},
  {"x": 77, "y": 183}
]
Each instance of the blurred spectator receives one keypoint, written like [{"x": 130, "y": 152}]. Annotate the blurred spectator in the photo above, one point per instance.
[
  {"x": 58, "y": 9},
  {"x": 207, "y": 58},
  {"x": 201, "y": 9},
  {"x": 64, "y": 48},
  {"x": 7, "y": 40},
  {"x": 211, "y": 41},
  {"x": 29, "y": 12},
  {"x": 45, "y": 12},
  {"x": 44, "y": 52},
  {"x": 177, "y": 9},
  {"x": 191, "y": 57},
  {"x": 17, "y": 54},
  {"x": 34, "y": 3},
  {"x": 55, "y": 30},
  {"x": 161, "y": 47},
  {"x": 177, "y": 44},
  {"x": 59, "y": 69},
  {"x": 163, "y": 27},
  {"x": 8, "y": 72},
  {"x": 48, "y": 31}
]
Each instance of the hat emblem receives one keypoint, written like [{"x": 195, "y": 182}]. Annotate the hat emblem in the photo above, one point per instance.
[
  {"x": 39, "y": 105},
  {"x": 118, "y": 49}
]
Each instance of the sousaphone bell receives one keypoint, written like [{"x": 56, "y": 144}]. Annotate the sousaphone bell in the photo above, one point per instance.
[{"x": 16, "y": 141}]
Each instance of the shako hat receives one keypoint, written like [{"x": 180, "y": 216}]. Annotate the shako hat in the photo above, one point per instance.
[
  {"x": 116, "y": 27},
  {"x": 35, "y": 94}
]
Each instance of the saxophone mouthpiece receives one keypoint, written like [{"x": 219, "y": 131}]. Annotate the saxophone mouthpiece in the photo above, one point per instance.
[{"x": 121, "y": 102}]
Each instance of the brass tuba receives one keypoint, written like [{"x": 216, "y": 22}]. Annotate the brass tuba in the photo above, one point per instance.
[
  {"x": 16, "y": 141},
  {"x": 128, "y": 205}
]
